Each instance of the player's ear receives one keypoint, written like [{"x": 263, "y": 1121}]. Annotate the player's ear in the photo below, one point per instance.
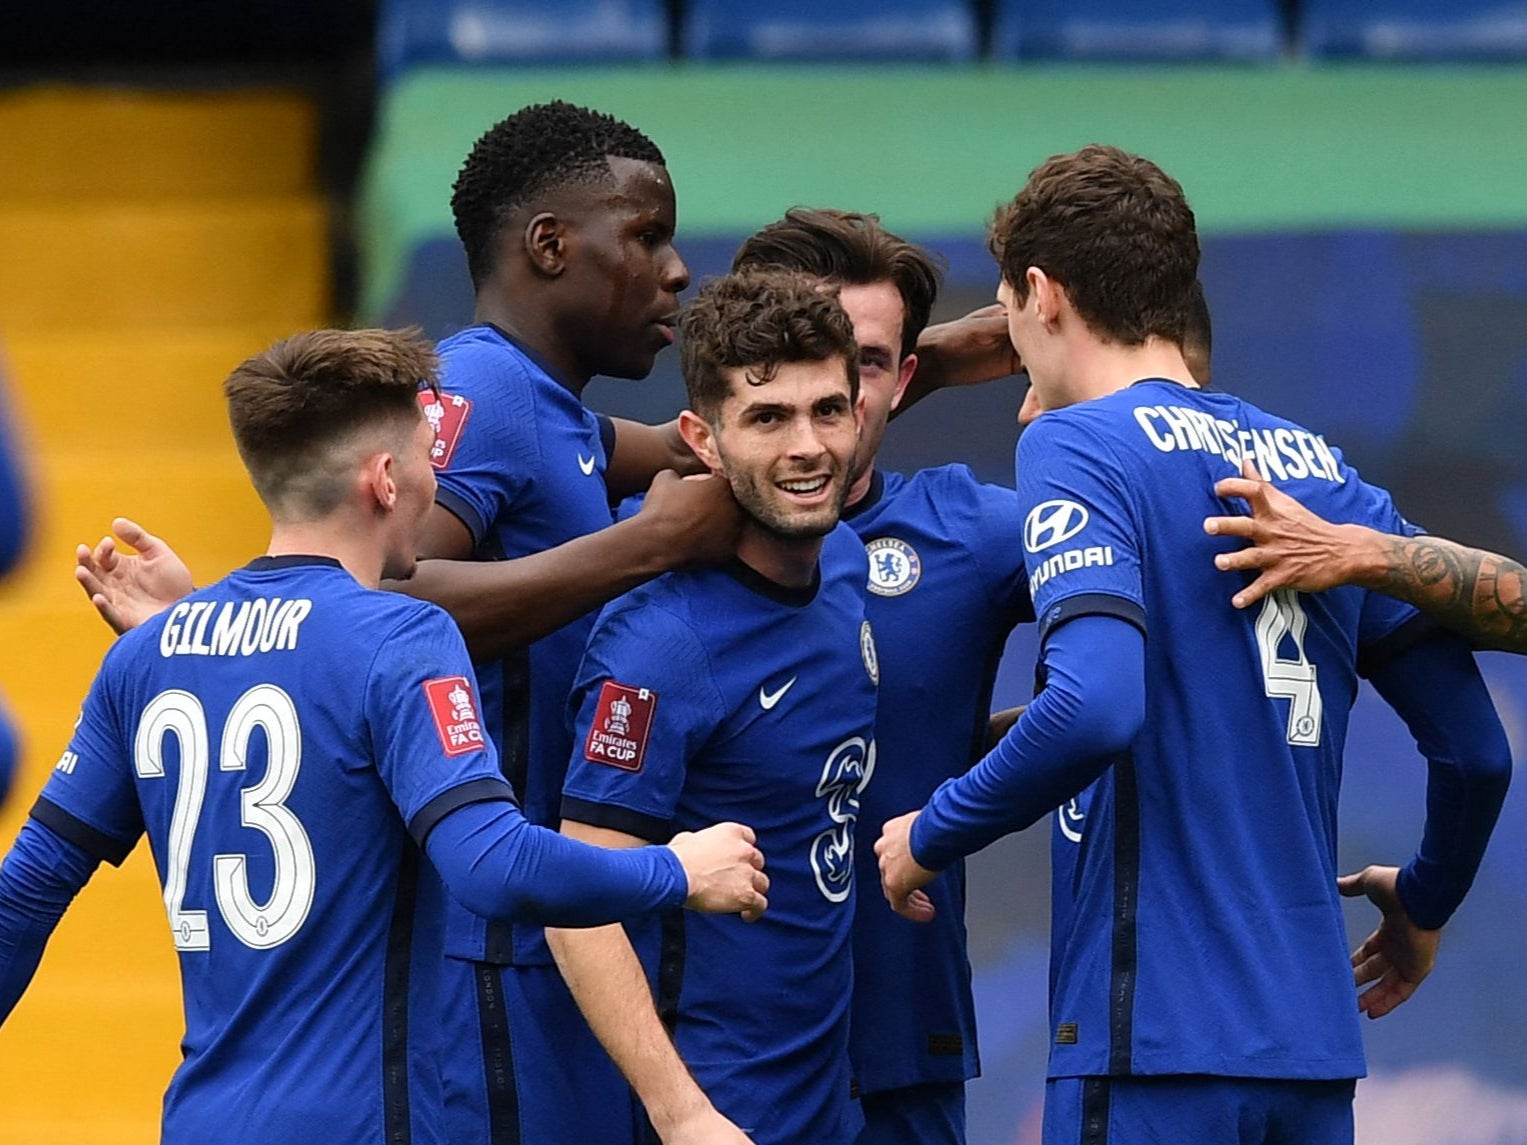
[
  {"x": 1046, "y": 295},
  {"x": 904, "y": 376},
  {"x": 379, "y": 481},
  {"x": 545, "y": 240},
  {"x": 701, "y": 439}
]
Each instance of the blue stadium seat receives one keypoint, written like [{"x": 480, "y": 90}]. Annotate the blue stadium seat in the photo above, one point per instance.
[
  {"x": 1415, "y": 29},
  {"x": 413, "y": 32},
  {"x": 930, "y": 30},
  {"x": 1244, "y": 30}
]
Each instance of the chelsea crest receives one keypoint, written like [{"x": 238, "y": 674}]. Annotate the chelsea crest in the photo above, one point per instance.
[
  {"x": 867, "y": 650},
  {"x": 895, "y": 567}
]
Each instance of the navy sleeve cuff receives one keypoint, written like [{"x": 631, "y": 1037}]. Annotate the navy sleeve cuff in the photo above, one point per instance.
[
  {"x": 1091, "y": 604},
  {"x": 606, "y": 436},
  {"x": 615, "y": 818},
  {"x": 1428, "y": 911},
  {"x": 469, "y": 516},
  {"x": 473, "y": 791},
  {"x": 96, "y": 844}
]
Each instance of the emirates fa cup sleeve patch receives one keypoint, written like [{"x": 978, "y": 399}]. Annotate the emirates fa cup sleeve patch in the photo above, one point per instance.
[
  {"x": 447, "y": 416},
  {"x": 455, "y": 714},
  {"x": 622, "y": 722}
]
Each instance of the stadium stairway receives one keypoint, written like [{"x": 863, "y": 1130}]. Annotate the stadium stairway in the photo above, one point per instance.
[{"x": 150, "y": 242}]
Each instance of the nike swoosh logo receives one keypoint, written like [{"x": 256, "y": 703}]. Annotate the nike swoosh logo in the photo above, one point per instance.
[
  {"x": 586, "y": 464},
  {"x": 767, "y": 700}
]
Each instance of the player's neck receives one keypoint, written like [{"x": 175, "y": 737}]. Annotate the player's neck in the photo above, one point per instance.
[
  {"x": 790, "y": 561},
  {"x": 860, "y": 489},
  {"x": 536, "y": 334},
  {"x": 1101, "y": 368},
  {"x": 361, "y": 556}
]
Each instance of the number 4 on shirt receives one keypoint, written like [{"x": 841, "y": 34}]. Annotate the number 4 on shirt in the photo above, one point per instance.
[{"x": 1292, "y": 680}]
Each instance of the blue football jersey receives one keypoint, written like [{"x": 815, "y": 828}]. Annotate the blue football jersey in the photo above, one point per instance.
[
  {"x": 1068, "y": 832},
  {"x": 1206, "y": 934},
  {"x": 946, "y": 587},
  {"x": 278, "y": 735},
  {"x": 521, "y": 461},
  {"x": 714, "y": 695}
]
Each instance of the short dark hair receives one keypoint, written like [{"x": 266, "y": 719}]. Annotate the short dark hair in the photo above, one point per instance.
[
  {"x": 1198, "y": 336},
  {"x": 853, "y": 249},
  {"x": 293, "y": 405},
  {"x": 537, "y": 149},
  {"x": 761, "y": 319},
  {"x": 1112, "y": 228}
]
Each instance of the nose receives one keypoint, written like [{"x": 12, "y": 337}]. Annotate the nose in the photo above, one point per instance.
[
  {"x": 675, "y": 272},
  {"x": 804, "y": 443}
]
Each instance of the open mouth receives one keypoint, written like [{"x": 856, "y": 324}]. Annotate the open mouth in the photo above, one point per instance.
[
  {"x": 805, "y": 487},
  {"x": 665, "y": 327}
]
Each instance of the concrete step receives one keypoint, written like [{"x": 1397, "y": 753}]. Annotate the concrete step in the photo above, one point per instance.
[
  {"x": 144, "y": 390},
  {"x": 200, "y": 500},
  {"x": 118, "y": 144},
  {"x": 154, "y": 265}
]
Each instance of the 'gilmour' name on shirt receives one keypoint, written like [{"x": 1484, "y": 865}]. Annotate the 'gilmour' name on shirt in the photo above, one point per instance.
[{"x": 241, "y": 628}]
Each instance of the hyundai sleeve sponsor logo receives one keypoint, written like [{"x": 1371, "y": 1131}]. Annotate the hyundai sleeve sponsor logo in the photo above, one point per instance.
[{"x": 1051, "y": 522}]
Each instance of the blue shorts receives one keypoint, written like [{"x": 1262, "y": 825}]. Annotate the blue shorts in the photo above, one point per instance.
[
  {"x": 522, "y": 1067},
  {"x": 1192, "y": 1108},
  {"x": 932, "y": 1114}
]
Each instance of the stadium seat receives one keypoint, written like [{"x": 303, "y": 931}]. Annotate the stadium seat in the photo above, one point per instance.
[
  {"x": 412, "y": 32},
  {"x": 1247, "y": 30},
  {"x": 1415, "y": 29},
  {"x": 916, "y": 30}
]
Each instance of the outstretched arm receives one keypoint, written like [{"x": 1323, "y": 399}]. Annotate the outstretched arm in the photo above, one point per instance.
[
  {"x": 1090, "y": 710},
  {"x": 500, "y": 866},
  {"x": 1436, "y": 688},
  {"x": 500, "y": 605},
  {"x": 964, "y": 352},
  {"x": 642, "y": 452},
  {"x": 605, "y": 977},
  {"x": 38, "y": 881},
  {"x": 1479, "y": 594}
]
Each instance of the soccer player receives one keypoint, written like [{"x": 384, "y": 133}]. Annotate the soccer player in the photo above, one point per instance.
[
  {"x": 289, "y": 739},
  {"x": 946, "y": 586},
  {"x": 567, "y": 217},
  {"x": 1477, "y": 593},
  {"x": 1204, "y": 993},
  {"x": 750, "y": 690}
]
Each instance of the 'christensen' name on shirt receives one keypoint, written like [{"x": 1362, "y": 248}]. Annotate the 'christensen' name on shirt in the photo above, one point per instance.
[
  {"x": 1279, "y": 454},
  {"x": 233, "y": 628}
]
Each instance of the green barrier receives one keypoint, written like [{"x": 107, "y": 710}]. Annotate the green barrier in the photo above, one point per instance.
[{"x": 932, "y": 150}]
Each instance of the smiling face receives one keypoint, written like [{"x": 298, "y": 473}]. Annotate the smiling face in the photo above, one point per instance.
[
  {"x": 622, "y": 276},
  {"x": 785, "y": 445}
]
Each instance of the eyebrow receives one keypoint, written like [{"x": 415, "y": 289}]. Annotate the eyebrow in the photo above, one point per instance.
[{"x": 753, "y": 408}]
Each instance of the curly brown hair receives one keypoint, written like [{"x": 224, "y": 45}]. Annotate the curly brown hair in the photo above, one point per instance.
[
  {"x": 852, "y": 249},
  {"x": 1112, "y": 228},
  {"x": 294, "y": 406},
  {"x": 757, "y": 320}
]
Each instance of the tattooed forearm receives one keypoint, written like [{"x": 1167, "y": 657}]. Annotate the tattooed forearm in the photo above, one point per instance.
[{"x": 1479, "y": 594}]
